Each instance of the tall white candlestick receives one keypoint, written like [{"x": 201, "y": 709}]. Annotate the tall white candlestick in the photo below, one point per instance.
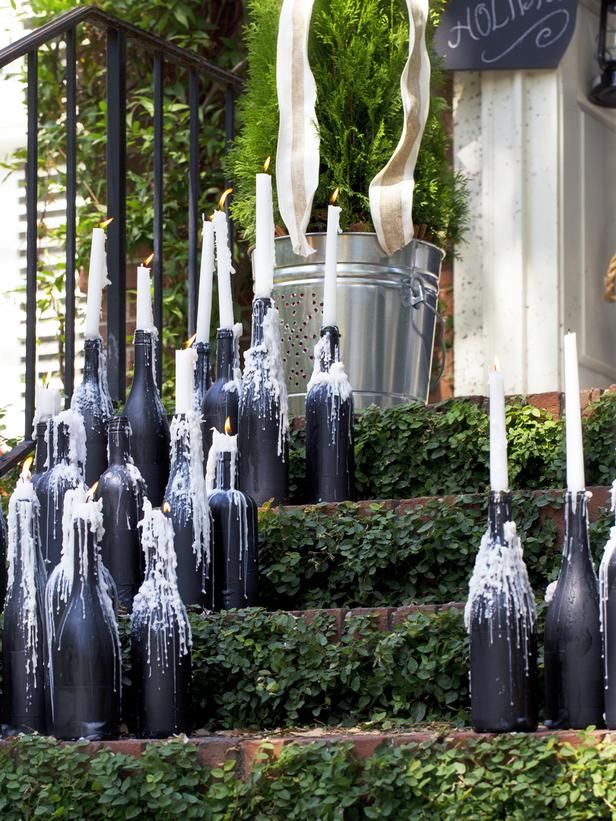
[
  {"x": 264, "y": 259},
  {"x": 206, "y": 276},
  {"x": 184, "y": 379},
  {"x": 225, "y": 269},
  {"x": 573, "y": 418},
  {"x": 331, "y": 266},
  {"x": 145, "y": 317},
  {"x": 499, "y": 478},
  {"x": 97, "y": 279}
]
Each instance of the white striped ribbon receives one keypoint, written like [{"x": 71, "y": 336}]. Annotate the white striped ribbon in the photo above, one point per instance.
[
  {"x": 297, "y": 154},
  {"x": 391, "y": 191}
]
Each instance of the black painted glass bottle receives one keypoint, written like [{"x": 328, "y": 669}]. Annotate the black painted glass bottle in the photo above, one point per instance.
[
  {"x": 263, "y": 415},
  {"x": 23, "y": 629},
  {"x": 85, "y": 672},
  {"x": 501, "y": 621},
  {"x": 160, "y": 637},
  {"x": 221, "y": 401},
  {"x": 148, "y": 421},
  {"x": 329, "y": 425},
  {"x": 65, "y": 472},
  {"x": 121, "y": 488},
  {"x": 3, "y": 558},
  {"x": 186, "y": 499},
  {"x": 234, "y": 521},
  {"x": 93, "y": 402},
  {"x": 607, "y": 593},
  {"x": 203, "y": 374},
  {"x": 573, "y": 665}
]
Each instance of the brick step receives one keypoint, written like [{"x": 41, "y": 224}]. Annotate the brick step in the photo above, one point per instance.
[{"x": 245, "y": 749}]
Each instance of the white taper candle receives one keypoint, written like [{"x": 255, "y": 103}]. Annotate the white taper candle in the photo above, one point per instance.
[
  {"x": 264, "y": 260},
  {"x": 331, "y": 266},
  {"x": 145, "y": 317},
  {"x": 573, "y": 417},
  {"x": 224, "y": 268},
  {"x": 499, "y": 478},
  {"x": 206, "y": 277},
  {"x": 185, "y": 361},
  {"x": 97, "y": 279}
]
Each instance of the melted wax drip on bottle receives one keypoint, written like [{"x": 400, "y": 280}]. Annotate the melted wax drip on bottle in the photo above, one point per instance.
[
  {"x": 85, "y": 663},
  {"x": 329, "y": 424},
  {"x": 263, "y": 427},
  {"x": 93, "y": 402},
  {"x": 148, "y": 421},
  {"x": 23, "y": 638},
  {"x": 66, "y": 454},
  {"x": 234, "y": 519},
  {"x": 122, "y": 490},
  {"x": 573, "y": 668},
  {"x": 187, "y": 499},
  {"x": 502, "y": 625},
  {"x": 161, "y": 638},
  {"x": 607, "y": 592}
]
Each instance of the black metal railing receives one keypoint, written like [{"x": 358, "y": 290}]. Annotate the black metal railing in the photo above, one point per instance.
[{"x": 117, "y": 31}]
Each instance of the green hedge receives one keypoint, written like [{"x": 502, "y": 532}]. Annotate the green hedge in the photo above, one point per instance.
[
  {"x": 349, "y": 557},
  {"x": 415, "y": 450},
  {"x": 511, "y": 777}
]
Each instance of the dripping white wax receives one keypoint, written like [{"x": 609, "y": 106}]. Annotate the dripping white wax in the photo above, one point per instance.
[
  {"x": 221, "y": 443},
  {"x": 185, "y": 362}
]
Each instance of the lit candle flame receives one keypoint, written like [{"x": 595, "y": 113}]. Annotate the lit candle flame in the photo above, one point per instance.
[
  {"x": 25, "y": 471},
  {"x": 223, "y": 198},
  {"x": 334, "y": 196},
  {"x": 496, "y": 364},
  {"x": 266, "y": 165},
  {"x": 148, "y": 260},
  {"x": 227, "y": 426},
  {"x": 190, "y": 341},
  {"x": 106, "y": 223},
  {"x": 166, "y": 507},
  {"x": 91, "y": 492}
]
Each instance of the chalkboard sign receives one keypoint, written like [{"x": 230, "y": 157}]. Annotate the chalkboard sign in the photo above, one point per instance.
[{"x": 505, "y": 34}]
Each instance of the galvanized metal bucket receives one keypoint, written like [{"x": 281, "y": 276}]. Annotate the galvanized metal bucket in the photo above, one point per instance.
[{"x": 387, "y": 314}]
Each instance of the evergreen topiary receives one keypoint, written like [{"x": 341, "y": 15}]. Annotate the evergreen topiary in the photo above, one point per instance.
[{"x": 357, "y": 51}]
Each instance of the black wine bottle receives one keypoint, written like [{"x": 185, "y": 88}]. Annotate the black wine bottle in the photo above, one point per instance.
[
  {"x": 23, "y": 633},
  {"x": 93, "y": 402},
  {"x": 3, "y": 558},
  {"x": 502, "y": 625},
  {"x": 186, "y": 499},
  {"x": 160, "y": 637},
  {"x": 222, "y": 400},
  {"x": 66, "y": 456},
  {"x": 607, "y": 593},
  {"x": 573, "y": 668},
  {"x": 121, "y": 488},
  {"x": 234, "y": 519},
  {"x": 85, "y": 671},
  {"x": 148, "y": 421},
  {"x": 263, "y": 426},
  {"x": 329, "y": 424},
  {"x": 40, "y": 450},
  {"x": 203, "y": 374}
]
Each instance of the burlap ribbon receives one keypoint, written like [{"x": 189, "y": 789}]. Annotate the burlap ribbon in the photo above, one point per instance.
[
  {"x": 391, "y": 191},
  {"x": 297, "y": 154}
]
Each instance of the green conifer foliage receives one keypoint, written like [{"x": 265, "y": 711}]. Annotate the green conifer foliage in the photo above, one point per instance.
[{"x": 357, "y": 51}]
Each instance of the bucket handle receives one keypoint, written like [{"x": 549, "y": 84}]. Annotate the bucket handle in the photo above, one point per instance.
[{"x": 414, "y": 295}]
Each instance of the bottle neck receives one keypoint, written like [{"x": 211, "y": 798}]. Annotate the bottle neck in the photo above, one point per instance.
[
  {"x": 202, "y": 367},
  {"x": 260, "y": 307},
  {"x": 40, "y": 455},
  {"x": 226, "y": 471},
  {"x": 144, "y": 358},
  {"x": 576, "y": 547},
  {"x": 330, "y": 347},
  {"x": 91, "y": 361},
  {"x": 62, "y": 445},
  {"x": 499, "y": 512},
  {"x": 85, "y": 565},
  {"x": 224, "y": 354},
  {"x": 119, "y": 441}
]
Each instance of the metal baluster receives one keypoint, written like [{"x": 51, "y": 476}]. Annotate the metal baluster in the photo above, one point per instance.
[
  {"x": 31, "y": 239},
  {"x": 116, "y": 208},
  {"x": 71, "y": 195},
  {"x": 193, "y": 201},
  {"x": 158, "y": 212},
  {"x": 229, "y": 134}
]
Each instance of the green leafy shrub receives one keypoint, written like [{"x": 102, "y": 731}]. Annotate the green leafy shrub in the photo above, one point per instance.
[{"x": 357, "y": 51}]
